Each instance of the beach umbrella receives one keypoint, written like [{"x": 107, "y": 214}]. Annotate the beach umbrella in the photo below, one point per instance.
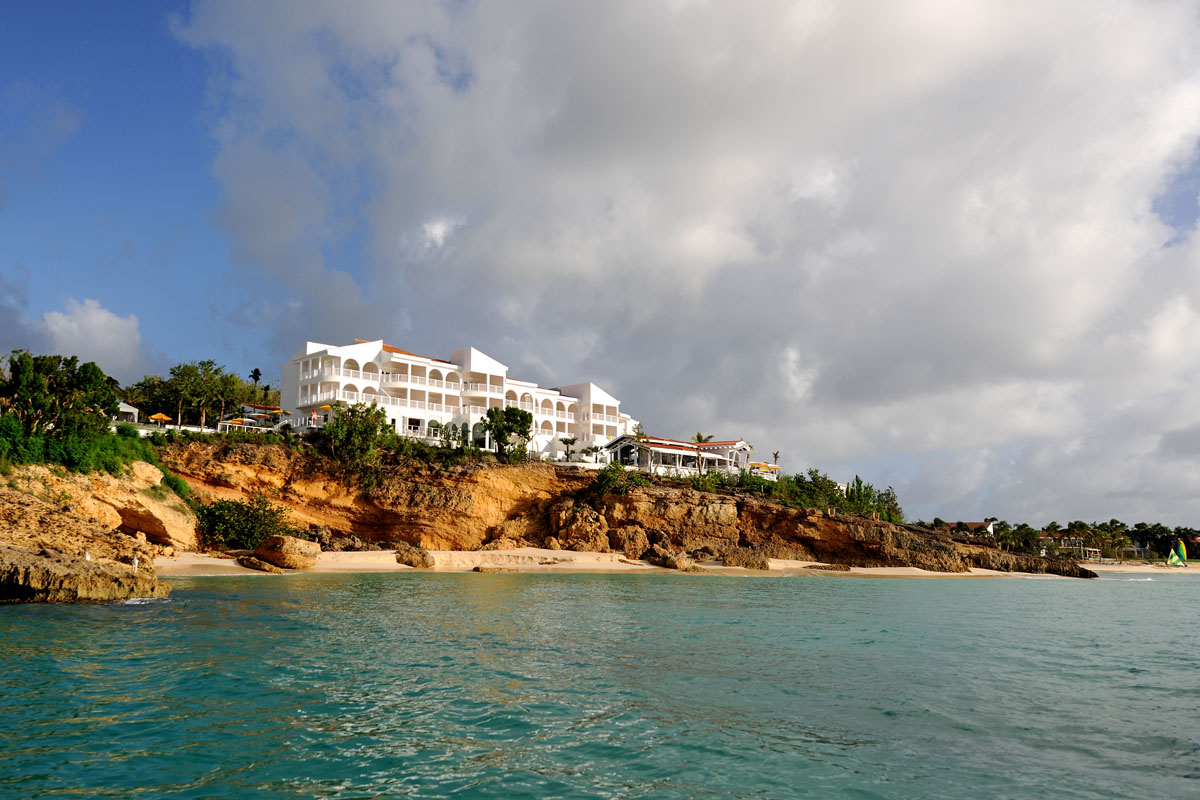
[
  {"x": 327, "y": 408},
  {"x": 159, "y": 418}
]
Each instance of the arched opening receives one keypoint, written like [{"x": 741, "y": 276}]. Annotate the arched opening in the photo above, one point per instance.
[
  {"x": 527, "y": 401},
  {"x": 349, "y": 364},
  {"x": 547, "y": 407},
  {"x": 547, "y": 427},
  {"x": 479, "y": 434}
]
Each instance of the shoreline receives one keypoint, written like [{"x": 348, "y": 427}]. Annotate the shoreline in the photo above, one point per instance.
[{"x": 537, "y": 560}]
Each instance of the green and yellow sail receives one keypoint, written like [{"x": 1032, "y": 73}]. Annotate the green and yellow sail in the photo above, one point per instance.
[{"x": 1178, "y": 555}]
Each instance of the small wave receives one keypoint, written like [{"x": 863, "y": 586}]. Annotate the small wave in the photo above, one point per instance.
[
  {"x": 142, "y": 601},
  {"x": 1136, "y": 580}
]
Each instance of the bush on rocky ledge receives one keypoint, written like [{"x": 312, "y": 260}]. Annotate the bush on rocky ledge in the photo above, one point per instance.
[{"x": 241, "y": 525}]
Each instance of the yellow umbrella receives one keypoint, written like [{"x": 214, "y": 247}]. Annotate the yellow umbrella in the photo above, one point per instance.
[
  {"x": 160, "y": 417},
  {"x": 327, "y": 408},
  {"x": 238, "y": 421}
]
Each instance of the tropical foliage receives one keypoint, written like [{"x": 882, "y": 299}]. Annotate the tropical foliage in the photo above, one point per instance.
[
  {"x": 240, "y": 525},
  {"x": 194, "y": 393},
  {"x": 511, "y": 429}
]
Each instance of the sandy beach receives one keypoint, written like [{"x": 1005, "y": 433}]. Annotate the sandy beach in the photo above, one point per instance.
[{"x": 537, "y": 560}]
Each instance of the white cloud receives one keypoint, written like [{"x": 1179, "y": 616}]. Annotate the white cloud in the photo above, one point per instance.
[
  {"x": 852, "y": 231},
  {"x": 93, "y": 333}
]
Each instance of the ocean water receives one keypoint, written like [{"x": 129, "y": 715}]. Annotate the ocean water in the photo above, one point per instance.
[{"x": 607, "y": 686}]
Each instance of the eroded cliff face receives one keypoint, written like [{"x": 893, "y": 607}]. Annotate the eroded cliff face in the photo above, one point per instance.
[
  {"x": 497, "y": 507},
  {"x": 447, "y": 508},
  {"x": 136, "y": 503},
  {"x": 54, "y": 551}
]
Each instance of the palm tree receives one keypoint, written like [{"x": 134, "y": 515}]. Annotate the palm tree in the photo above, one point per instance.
[
  {"x": 775, "y": 456},
  {"x": 256, "y": 376},
  {"x": 699, "y": 439}
]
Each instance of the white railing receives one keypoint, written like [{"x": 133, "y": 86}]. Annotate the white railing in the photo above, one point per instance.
[{"x": 434, "y": 382}]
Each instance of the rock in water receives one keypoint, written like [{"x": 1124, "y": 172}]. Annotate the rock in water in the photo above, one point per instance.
[
  {"x": 250, "y": 562},
  {"x": 48, "y": 576},
  {"x": 288, "y": 552},
  {"x": 417, "y": 557}
]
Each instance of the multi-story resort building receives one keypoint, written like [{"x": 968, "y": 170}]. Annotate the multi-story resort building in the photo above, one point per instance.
[{"x": 422, "y": 395}]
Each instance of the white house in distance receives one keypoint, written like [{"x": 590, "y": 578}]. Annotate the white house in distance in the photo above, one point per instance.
[
  {"x": 421, "y": 395},
  {"x": 671, "y": 456}
]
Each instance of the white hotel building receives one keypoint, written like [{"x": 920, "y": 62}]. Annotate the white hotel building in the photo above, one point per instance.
[{"x": 417, "y": 392}]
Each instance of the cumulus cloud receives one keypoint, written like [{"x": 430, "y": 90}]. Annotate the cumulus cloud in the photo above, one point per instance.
[
  {"x": 848, "y": 231},
  {"x": 94, "y": 333}
]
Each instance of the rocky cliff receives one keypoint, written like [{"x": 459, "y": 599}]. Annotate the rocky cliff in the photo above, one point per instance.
[
  {"x": 497, "y": 507},
  {"x": 53, "y": 551}
]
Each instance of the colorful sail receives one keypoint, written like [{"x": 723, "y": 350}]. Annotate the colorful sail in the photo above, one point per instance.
[
  {"x": 1181, "y": 550},
  {"x": 1173, "y": 559}
]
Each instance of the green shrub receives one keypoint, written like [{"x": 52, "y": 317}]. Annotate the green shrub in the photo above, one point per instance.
[
  {"x": 175, "y": 483},
  {"x": 710, "y": 481},
  {"x": 241, "y": 525},
  {"x": 128, "y": 431},
  {"x": 614, "y": 479}
]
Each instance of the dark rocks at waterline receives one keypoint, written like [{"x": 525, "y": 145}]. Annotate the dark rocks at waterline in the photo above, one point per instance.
[
  {"x": 662, "y": 556},
  {"x": 49, "y": 576},
  {"x": 250, "y": 562},
  {"x": 989, "y": 558}
]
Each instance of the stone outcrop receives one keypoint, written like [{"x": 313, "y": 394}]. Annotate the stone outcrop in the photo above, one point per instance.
[
  {"x": 630, "y": 540},
  {"x": 747, "y": 558},
  {"x": 250, "y": 562},
  {"x": 417, "y": 557},
  {"x": 288, "y": 552},
  {"x": 137, "y": 502},
  {"x": 42, "y": 575}
]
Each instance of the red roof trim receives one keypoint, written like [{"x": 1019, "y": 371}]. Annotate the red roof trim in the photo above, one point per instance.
[{"x": 389, "y": 349}]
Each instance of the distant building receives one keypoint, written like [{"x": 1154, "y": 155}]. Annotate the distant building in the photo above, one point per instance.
[
  {"x": 668, "y": 456},
  {"x": 127, "y": 413}
]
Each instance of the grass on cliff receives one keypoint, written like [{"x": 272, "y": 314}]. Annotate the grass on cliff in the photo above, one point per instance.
[{"x": 111, "y": 453}]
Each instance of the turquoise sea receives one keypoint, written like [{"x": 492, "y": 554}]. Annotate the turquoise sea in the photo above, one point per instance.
[{"x": 607, "y": 686}]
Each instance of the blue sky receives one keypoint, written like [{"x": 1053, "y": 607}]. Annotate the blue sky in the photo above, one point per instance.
[
  {"x": 951, "y": 252},
  {"x": 107, "y": 178}
]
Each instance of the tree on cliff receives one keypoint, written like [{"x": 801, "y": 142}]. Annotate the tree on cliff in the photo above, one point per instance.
[
  {"x": 506, "y": 425},
  {"x": 56, "y": 396},
  {"x": 355, "y": 435},
  {"x": 256, "y": 376}
]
